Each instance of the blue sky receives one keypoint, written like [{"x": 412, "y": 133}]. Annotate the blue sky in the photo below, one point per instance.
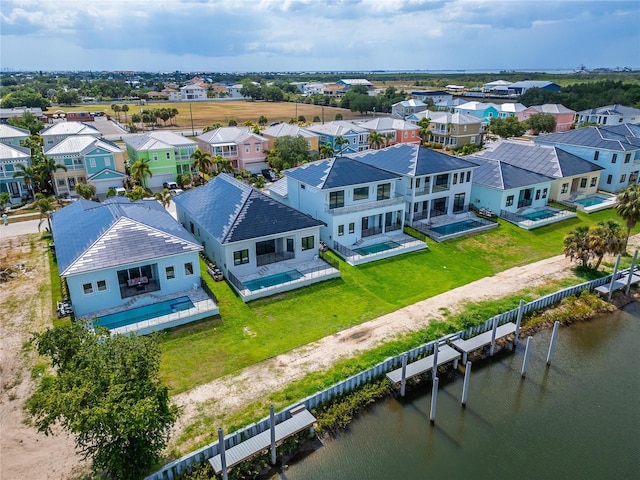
[{"x": 307, "y": 35}]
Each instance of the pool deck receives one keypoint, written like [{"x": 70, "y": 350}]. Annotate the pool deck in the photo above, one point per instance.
[
  {"x": 607, "y": 201},
  {"x": 405, "y": 244},
  {"x": 313, "y": 271},
  {"x": 518, "y": 218},
  {"x": 426, "y": 226},
  {"x": 203, "y": 307}
]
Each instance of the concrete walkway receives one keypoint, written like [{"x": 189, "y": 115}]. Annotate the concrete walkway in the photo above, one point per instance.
[{"x": 20, "y": 228}]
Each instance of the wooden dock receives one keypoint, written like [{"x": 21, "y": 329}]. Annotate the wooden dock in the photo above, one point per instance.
[
  {"x": 619, "y": 283},
  {"x": 299, "y": 421},
  {"x": 475, "y": 343},
  {"x": 445, "y": 355}
]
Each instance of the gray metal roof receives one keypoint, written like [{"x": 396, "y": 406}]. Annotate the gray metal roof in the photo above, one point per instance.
[
  {"x": 91, "y": 236},
  {"x": 229, "y": 135},
  {"x": 158, "y": 141},
  {"x": 412, "y": 160},
  {"x": 70, "y": 128},
  {"x": 502, "y": 176},
  {"x": 76, "y": 144},
  {"x": 615, "y": 109},
  {"x": 9, "y": 131},
  {"x": 232, "y": 211},
  {"x": 338, "y": 172},
  {"x": 280, "y": 187},
  {"x": 592, "y": 137},
  {"x": 546, "y": 160},
  {"x": 11, "y": 152}
]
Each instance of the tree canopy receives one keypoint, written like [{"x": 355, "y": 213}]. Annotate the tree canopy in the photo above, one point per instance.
[
  {"x": 25, "y": 97},
  {"x": 541, "y": 123},
  {"x": 106, "y": 390},
  {"x": 506, "y": 127},
  {"x": 288, "y": 152},
  {"x": 28, "y": 121},
  {"x": 628, "y": 207},
  {"x": 584, "y": 243}
]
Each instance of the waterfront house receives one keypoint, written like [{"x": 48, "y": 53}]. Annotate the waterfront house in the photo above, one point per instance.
[
  {"x": 616, "y": 148},
  {"x": 13, "y": 136},
  {"x": 129, "y": 265},
  {"x": 10, "y": 157},
  {"x": 243, "y": 148},
  {"x": 88, "y": 159},
  {"x": 609, "y": 115},
  {"x": 167, "y": 153},
  {"x": 59, "y": 131},
  {"x": 261, "y": 246}
]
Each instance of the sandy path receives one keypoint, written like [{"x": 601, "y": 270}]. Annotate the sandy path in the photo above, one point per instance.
[{"x": 253, "y": 383}]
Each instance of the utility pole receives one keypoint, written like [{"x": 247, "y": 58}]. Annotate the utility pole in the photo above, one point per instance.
[{"x": 193, "y": 132}]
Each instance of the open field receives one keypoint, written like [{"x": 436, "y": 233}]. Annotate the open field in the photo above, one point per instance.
[
  {"x": 250, "y": 333},
  {"x": 208, "y": 112}
]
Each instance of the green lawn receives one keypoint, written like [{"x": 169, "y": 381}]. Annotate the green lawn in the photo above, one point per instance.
[{"x": 249, "y": 333}]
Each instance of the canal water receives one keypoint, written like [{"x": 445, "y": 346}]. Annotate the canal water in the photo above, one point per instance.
[{"x": 577, "y": 419}]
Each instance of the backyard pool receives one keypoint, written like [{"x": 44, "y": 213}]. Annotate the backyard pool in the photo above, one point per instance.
[
  {"x": 272, "y": 280},
  {"x": 591, "y": 201},
  {"x": 457, "y": 227},
  {"x": 540, "y": 214},
  {"x": 376, "y": 248},
  {"x": 147, "y": 312}
]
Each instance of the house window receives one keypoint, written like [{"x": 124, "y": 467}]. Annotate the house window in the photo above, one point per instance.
[
  {"x": 537, "y": 194},
  {"x": 87, "y": 288},
  {"x": 155, "y": 157},
  {"x": 406, "y": 134},
  {"x": 609, "y": 179},
  {"x": 623, "y": 178},
  {"x": 352, "y": 227},
  {"x": 614, "y": 158},
  {"x": 473, "y": 140},
  {"x": 247, "y": 148},
  {"x": 265, "y": 247},
  {"x": 458, "y": 203},
  {"x": 188, "y": 268},
  {"x": 307, "y": 243},
  {"x": 469, "y": 176},
  {"x": 384, "y": 191},
  {"x": 583, "y": 182},
  {"x": 336, "y": 199},
  {"x": 509, "y": 201},
  {"x": 241, "y": 257},
  {"x": 596, "y": 155},
  {"x": 627, "y": 158},
  {"x": 102, "y": 285},
  {"x": 565, "y": 188},
  {"x": 168, "y": 154},
  {"x": 442, "y": 180},
  {"x": 340, "y": 230},
  {"x": 61, "y": 182},
  {"x": 360, "y": 193},
  {"x": 544, "y": 193},
  {"x": 107, "y": 162},
  {"x": 92, "y": 162},
  {"x": 289, "y": 244},
  {"x": 417, "y": 183},
  {"x": 594, "y": 181},
  {"x": 257, "y": 147},
  {"x": 170, "y": 272},
  {"x": 455, "y": 178}
]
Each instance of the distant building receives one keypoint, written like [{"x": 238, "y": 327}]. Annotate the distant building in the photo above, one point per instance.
[
  {"x": 407, "y": 107},
  {"x": 609, "y": 115},
  {"x": 518, "y": 88}
]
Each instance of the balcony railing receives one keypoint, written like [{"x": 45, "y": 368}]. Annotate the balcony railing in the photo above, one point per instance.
[
  {"x": 360, "y": 207},
  {"x": 274, "y": 257},
  {"x": 368, "y": 232},
  {"x": 440, "y": 188}
]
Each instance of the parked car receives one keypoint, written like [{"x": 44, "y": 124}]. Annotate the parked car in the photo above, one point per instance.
[
  {"x": 271, "y": 175},
  {"x": 175, "y": 191},
  {"x": 170, "y": 185}
]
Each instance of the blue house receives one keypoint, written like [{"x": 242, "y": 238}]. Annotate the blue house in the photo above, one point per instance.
[
  {"x": 10, "y": 157},
  {"x": 615, "y": 148},
  {"x": 357, "y": 136},
  {"x": 129, "y": 266},
  {"x": 14, "y": 136},
  {"x": 484, "y": 111},
  {"x": 518, "y": 88},
  {"x": 262, "y": 246}
]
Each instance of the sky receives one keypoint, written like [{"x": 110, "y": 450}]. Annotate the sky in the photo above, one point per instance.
[{"x": 317, "y": 35}]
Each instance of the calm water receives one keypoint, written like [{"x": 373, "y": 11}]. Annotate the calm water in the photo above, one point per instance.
[{"x": 578, "y": 419}]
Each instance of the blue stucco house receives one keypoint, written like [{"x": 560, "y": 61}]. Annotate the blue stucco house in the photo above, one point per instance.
[{"x": 129, "y": 266}]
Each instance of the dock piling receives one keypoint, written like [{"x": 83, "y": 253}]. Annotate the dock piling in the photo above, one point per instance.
[
  {"x": 552, "y": 344},
  {"x": 613, "y": 278},
  {"x": 631, "y": 272},
  {"x": 434, "y": 399},
  {"x": 223, "y": 458},
  {"x": 403, "y": 384},
  {"x": 272, "y": 426},
  {"x": 518, "y": 322},
  {"x": 436, "y": 347},
  {"x": 465, "y": 385},
  {"x": 525, "y": 362},
  {"x": 493, "y": 337}
]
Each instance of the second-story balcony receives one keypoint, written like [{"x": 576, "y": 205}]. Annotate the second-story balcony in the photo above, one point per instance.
[
  {"x": 441, "y": 187},
  {"x": 363, "y": 206}
]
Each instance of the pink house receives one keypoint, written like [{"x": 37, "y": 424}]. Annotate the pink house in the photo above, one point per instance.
[
  {"x": 245, "y": 149},
  {"x": 564, "y": 116},
  {"x": 400, "y": 131}
]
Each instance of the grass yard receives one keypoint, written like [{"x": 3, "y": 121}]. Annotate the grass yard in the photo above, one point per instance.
[
  {"x": 206, "y": 113},
  {"x": 252, "y": 332}
]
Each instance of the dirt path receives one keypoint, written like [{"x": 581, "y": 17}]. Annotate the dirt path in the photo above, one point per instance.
[{"x": 253, "y": 383}]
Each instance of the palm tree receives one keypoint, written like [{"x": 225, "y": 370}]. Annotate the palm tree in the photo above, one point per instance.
[
  {"x": 163, "y": 197},
  {"x": 425, "y": 131},
  {"x": 116, "y": 109},
  {"x": 224, "y": 165},
  {"x": 375, "y": 139},
  {"x": 125, "y": 109},
  {"x": 140, "y": 170},
  {"x": 576, "y": 245},
  {"x": 5, "y": 198},
  {"x": 629, "y": 208},
  {"x": 606, "y": 238},
  {"x": 45, "y": 205},
  {"x": 45, "y": 168},
  {"x": 326, "y": 150},
  {"x": 340, "y": 142},
  {"x": 202, "y": 161},
  {"x": 388, "y": 137},
  {"x": 138, "y": 193},
  {"x": 29, "y": 175}
]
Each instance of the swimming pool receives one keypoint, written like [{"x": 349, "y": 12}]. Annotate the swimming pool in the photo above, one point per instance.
[
  {"x": 272, "y": 280},
  {"x": 457, "y": 227},
  {"x": 376, "y": 248},
  {"x": 591, "y": 201},
  {"x": 140, "y": 314},
  {"x": 540, "y": 214}
]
